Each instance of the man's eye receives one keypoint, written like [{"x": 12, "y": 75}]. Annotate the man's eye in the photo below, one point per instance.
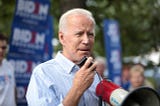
[
  {"x": 79, "y": 33},
  {"x": 90, "y": 34}
]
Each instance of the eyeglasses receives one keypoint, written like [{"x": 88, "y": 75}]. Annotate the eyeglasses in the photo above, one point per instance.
[{"x": 3, "y": 47}]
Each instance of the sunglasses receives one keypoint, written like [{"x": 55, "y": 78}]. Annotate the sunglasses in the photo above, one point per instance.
[{"x": 3, "y": 47}]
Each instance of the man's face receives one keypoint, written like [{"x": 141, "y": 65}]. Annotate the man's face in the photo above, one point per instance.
[
  {"x": 78, "y": 38},
  {"x": 3, "y": 46}
]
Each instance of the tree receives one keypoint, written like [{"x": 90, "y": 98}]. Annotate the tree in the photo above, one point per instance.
[
  {"x": 139, "y": 23},
  {"x": 6, "y": 16}
]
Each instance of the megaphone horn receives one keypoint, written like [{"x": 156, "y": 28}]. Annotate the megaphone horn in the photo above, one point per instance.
[{"x": 117, "y": 96}]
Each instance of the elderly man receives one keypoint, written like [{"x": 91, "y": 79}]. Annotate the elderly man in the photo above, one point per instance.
[{"x": 60, "y": 82}]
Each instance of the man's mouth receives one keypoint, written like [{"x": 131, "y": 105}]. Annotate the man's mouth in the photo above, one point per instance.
[{"x": 84, "y": 49}]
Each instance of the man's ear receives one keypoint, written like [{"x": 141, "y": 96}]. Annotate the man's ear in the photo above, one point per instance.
[{"x": 61, "y": 37}]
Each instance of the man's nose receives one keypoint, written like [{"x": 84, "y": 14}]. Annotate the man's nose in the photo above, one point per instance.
[{"x": 85, "y": 38}]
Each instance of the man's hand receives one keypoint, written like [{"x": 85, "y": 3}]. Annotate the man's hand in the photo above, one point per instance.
[
  {"x": 81, "y": 82},
  {"x": 85, "y": 76}
]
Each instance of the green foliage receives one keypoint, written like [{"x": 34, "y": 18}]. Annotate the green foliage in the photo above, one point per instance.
[
  {"x": 6, "y": 15},
  {"x": 138, "y": 19}
]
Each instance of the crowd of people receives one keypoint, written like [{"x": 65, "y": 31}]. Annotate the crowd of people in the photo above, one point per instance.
[{"x": 60, "y": 81}]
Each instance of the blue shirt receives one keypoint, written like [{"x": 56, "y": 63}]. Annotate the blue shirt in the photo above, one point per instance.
[{"x": 51, "y": 81}]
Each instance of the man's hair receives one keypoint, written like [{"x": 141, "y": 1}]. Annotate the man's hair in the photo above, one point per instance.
[
  {"x": 2, "y": 37},
  {"x": 64, "y": 17}
]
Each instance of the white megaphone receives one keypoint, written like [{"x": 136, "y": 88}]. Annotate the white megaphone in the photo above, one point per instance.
[{"x": 117, "y": 96}]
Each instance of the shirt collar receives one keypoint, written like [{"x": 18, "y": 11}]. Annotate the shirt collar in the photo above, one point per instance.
[{"x": 65, "y": 62}]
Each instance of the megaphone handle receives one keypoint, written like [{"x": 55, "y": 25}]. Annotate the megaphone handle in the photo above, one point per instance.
[{"x": 100, "y": 101}]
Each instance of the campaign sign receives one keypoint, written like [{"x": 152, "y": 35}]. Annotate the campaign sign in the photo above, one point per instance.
[
  {"x": 30, "y": 41},
  {"x": 23, "y": 69},
  {"x": 24, "y": 58},
  {"x": 24, "y": 64},
  {"x": 48, "y": 48},
  {"x": 34, "y": 12},
  {"x": 27, "y": 41},
  {"x": 113, "y": 50}
]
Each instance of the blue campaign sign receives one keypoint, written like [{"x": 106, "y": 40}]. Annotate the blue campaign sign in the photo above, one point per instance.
[
  {"x": 23, "y": 69},
  {"x": 26, "y": 40},
  {"x": 34, "y": 12},
  {"x": 48, "y": 48},
  {"x": 30, "y": 41},
  {"x": 24, "y": 58},
  {"x": 113, "y": 50}
]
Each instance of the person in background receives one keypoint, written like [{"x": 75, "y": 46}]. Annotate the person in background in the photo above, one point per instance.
[
  {"x": 60, "y": 81},
  {"x": 125, "y": 76},
  {"x": 101, "y": 67},
  {"x": 7, "y": 79},
  {"x": 137, "y": 78}
]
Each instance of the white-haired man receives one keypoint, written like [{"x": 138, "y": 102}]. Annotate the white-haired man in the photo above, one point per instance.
[{"x": 60, "y": 82}]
